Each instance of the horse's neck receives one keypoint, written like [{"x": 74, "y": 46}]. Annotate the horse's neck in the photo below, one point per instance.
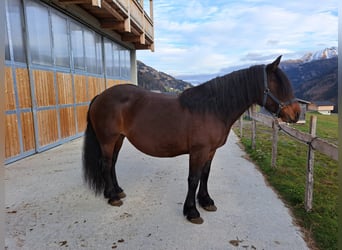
[{"x": 250, "y": 83}]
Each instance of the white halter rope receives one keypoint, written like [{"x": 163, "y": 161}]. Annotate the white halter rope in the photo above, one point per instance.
[{"x": 268, "y": 93}]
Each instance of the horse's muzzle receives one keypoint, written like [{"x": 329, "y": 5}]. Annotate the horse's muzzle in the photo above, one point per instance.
[{"x": 290, "y": 113}]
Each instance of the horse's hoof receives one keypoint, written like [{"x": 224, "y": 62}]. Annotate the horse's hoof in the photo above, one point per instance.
[
  {"x": 121, "y": 195},
  {"x": 210, "y": 208},
  {"x": 197, "y": 220},
  {"x": 116, "y": 203}
]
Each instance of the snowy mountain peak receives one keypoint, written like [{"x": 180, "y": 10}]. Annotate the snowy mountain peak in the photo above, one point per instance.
[{"x": 321, "y": 54}]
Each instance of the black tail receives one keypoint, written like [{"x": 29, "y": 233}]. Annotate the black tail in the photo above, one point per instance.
[{"x": 92, "y": 166}]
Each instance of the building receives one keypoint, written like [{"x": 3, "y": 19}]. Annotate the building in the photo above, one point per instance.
[
  {"x": 323, "y": 107},
  {"x": 58, "y": 55},
  {"x": 303, "y": 109}
]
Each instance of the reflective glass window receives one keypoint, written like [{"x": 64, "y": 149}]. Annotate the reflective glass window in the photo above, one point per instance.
[
  {"x": 116, "y": 60},
  {"x": 7, "y": 50},
  {"x": 39, "y": 33},
  {"x": 128, "y": 64},
  {"x": 14, "y": 11},
  {"x": 60, "y": 40},
  {"x": 77, "y": 45},
  {"x": 90, "y": 49},
  {"x": 122, "y": 63},
  {"x": 108, "y": 57},
  {"x": 99, "y": 61}
]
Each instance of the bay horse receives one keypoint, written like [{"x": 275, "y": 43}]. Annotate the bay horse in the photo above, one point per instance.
[{"x": 196, "y": 122}]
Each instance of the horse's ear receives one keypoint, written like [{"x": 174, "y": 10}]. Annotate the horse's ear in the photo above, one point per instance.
[{"x": 273, "y": 66}]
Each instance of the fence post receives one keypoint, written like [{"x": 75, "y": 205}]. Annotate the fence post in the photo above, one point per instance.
[
  {"x": 253, "y": 110},
  {"x": 274, "y": 144},
  {"x": 310, "y": 168}
]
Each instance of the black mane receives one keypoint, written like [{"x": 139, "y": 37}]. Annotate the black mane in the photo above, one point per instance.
[{"x": 225, "y": 95}]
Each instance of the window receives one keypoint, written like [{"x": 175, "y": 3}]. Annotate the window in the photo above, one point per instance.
[
  {"x": 39, "y": 33},
  {"x": 99, "y": 61},
  {"x": 7, "y": 50},
  {"x": 108, "y": 57},
  {"x": 77, "y": 45},
  {"x": 15, "y": 17},
  {"x": 125, "y": 63},
  {"x": 60, "y": 40},
  {"x": 116, "y": 60},
  {"x": 89, "y": 42}
]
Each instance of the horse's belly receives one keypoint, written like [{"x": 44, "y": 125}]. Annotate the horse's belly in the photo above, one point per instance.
[{"x": 159, "y": 146}]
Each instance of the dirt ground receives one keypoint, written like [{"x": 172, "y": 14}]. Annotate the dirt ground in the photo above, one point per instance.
[{"x": 49, "y": 207}]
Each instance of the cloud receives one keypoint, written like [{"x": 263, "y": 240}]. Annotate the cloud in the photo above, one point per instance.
[{"x": 207, "y": 36}]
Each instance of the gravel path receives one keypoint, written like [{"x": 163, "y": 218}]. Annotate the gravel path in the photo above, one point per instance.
[{"x": 49, "y": 207}]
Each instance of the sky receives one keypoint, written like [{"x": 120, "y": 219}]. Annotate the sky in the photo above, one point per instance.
[{"x": 196, "y": 37}]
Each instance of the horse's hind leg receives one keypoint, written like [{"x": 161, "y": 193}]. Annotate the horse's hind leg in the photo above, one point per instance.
[
  {"x": 203, "y": 196},
  {"x": 106, "y": 161},
  {"x": 119, "y": 191}
]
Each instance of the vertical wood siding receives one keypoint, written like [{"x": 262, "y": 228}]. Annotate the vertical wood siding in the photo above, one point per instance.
[
  {"x": 67, "y": 122},
  {"x": 12, "y": 141},
  {"x": 23, "y": 86},
  {"x": 27, "y": 129},
  {"x": 9, "y": 90},
  {"x": 65, "y": 91},
  {"x": 45, "y": 93},
  {"x": 47, "y": 127}
]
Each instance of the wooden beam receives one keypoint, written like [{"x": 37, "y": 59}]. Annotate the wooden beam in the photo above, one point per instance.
[
  {"x": 96, "y": 3},
  {"x": 121, "y": 26},
  {"x": 112, "y": 11},
  {"x": 136, "y": 39},
  {"x": 142, "y": 46},
  {"x": 67, "y": 2}
]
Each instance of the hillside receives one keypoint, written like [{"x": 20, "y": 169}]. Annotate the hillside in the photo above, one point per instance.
[
  {"x": 151, "y": 79},
  {"x": 314, "y": 80}
]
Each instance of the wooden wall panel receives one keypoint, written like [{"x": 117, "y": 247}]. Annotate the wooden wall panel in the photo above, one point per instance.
[
  {"x": 47, "y": 126},
  {"x": 64, "y": 86},
  {"x": 80, "y": 84},
  {"x": 81, "y": 118},
  {"x": 23, "y": 86},
  {"x": 95, "y": 86},
  {"x": 44, "y": 88},
  {"x": 122, "y": 82},
  {"x": 110, "y": 83},
  {"x": 9, "y": 90},
  {"x": 67, "y": 121},
  {"x": 12, "y": 142},
  {"x": 27, "y": 131}
]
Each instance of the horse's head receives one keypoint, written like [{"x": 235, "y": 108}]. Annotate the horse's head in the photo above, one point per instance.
[{"x": 278, "y": 97}]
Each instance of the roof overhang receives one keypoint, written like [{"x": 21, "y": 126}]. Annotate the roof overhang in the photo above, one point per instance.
[{"x": 127, "y": 18}]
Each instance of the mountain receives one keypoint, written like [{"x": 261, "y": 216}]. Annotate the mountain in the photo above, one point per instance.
[
  {"x": 319, "y": 55},
  {"x": 315, "y": 80},
  {"x": 151, "y": 79}
]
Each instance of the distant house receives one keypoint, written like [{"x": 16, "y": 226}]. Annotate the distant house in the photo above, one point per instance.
[
  {"x": 303, "y": 108},
  {"x": 323, "y": 107}
]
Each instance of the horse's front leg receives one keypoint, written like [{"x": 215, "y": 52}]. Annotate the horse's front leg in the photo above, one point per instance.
[
  {"x": 203, "y": 196},
  {"x": 197, "y": 161}
]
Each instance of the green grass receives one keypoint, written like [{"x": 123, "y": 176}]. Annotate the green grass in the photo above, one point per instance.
[{"x": 288, "y": 178}]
